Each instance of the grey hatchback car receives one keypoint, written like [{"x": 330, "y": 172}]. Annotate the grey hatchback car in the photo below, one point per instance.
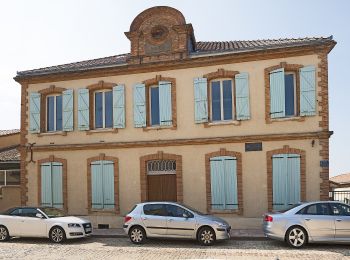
[
  {"x": 173, "y": 220},
  {"x": 323, "y": 221}
]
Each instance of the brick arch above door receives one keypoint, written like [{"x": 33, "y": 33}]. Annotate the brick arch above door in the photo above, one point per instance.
[{"x": 161, "y": 156}]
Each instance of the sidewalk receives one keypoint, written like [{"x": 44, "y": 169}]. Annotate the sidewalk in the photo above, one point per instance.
[{"x": 238, "y": 234}]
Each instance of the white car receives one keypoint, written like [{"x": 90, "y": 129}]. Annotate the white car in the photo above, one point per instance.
[{"x": 42, "y": 222}]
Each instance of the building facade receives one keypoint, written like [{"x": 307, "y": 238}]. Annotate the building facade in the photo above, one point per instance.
[
  {"x": 231, "y": 128},
  {"x": 10, "y": 192}
]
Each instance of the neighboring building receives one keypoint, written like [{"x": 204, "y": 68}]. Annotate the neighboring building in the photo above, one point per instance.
[
  {"x": 9, "y": 169},
  {"x": 340, "y": 187},
  {"x": 233, "y": 128}
]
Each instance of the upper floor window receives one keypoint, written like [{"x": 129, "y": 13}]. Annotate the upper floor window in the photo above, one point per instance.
[
  {"x": 292, "y": 92},
  {"x": 54, "y": 113},
  {"x": 221, "y": 100},
  {"x": 103, "y": 109},
  {"x": 154, "y": 102}
]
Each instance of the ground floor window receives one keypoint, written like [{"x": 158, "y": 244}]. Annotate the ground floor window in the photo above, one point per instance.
[
  {"x": 102, "y": 185},
  {"x": 52, "y": 184},
  {"x": 286, "y": 180},
  {"x": 9, "y": 177},
  {"x": 223, "y": 174}
]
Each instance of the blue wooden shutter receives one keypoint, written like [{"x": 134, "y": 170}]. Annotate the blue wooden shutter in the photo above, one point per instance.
[
  {"x": 34, "y": 112},
  {"x": 83, "y": 109},
  {"x": 46, "y": 185},
  {"x": 139, "y": 105},
  {"x": 230, "y": 182},
  {"x": 308, "y": 91},
  {"x": 293, "y": 179},
  {"x": 277, "y": 94},
  {"x": 165, "y": 108},
  {"x": 108, "y": 184},
  {"x": 217, "y": 185},
  {"x": 279, "y": 176},
  {"x": 96, "y": 185},
  {"x": 68, "y": 111},
  {"x": 242, "y": 96},
  {"x": 57, "y": 184},
  {"x": 119, "y": 106},
  {"x": 200, "y": 100}
]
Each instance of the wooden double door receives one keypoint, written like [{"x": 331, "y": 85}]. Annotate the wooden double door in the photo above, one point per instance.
[{"x": 162, "y": 187}]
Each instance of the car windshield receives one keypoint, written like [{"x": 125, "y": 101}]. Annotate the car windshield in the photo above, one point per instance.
[
  {"x": 194, "y": 210},
  {"x": 53, "y": 212}
]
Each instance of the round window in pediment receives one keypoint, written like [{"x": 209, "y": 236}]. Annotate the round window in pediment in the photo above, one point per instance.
[{"x": 159, "y": 33}]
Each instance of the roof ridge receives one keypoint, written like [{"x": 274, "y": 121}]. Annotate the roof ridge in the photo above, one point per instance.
[
  {"x": 342, "y": 174},
  {"x": 274, "y": 39}
]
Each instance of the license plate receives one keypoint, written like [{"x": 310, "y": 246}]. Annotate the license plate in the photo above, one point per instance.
[{"x": 88, "y": 229}]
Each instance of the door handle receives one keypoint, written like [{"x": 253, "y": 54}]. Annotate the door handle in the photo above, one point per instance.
[
  {"x": 144, "y": 218},
  {"x": 308, "y": 219},
  {"x": 338, "y": 219},
  {"x": 170, "y": 220}
]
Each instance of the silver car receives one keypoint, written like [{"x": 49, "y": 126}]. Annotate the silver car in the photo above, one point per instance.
[
  {"x": 323, "y": 221},
  {"x": 173, "y": 220}
]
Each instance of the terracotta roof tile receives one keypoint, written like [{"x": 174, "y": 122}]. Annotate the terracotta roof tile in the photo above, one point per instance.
[
  {"x": 342, "y": 178},
  {"x": 9, "y": 154},
  {"x": 201, "y": 48},
  {"x": 9, "y": 132}
]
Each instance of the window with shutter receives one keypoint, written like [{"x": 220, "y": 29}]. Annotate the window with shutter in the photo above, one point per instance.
[
  {"x": 34, "y": 112},
  {"x": 102, "y": 185},
  {"x": 52, "y": 184}
]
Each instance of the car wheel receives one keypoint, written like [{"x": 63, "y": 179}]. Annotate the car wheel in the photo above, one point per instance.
[
  {"x": 4, "y": 234},
  {"x": 57, "y": 235},
  {"x": 206, "y": 236},
  {"x": 296, "y": 237},
  {"x": 137, "y": 235}
]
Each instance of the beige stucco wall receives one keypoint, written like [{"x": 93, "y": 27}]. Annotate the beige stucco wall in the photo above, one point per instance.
[
  {"x": 254, "y": 174},
  {"x": 185, "y": 106},
  {"x": 10, "y": 196}
]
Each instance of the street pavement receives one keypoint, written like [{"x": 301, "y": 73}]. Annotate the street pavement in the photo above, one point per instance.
[{"x": 122, "y": 248}]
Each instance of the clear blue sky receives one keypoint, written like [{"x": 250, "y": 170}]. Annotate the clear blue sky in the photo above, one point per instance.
[{"x": 40, "y": 33}]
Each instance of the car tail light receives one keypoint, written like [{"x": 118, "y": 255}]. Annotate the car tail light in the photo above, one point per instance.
[
  {"x": 127, "y": 218},
  {"x": 268, "y": 218}
]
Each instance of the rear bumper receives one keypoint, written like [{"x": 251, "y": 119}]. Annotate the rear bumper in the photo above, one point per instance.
[{"x": 271, "y": 233}]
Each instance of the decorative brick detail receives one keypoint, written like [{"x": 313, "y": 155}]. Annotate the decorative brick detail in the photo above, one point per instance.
[
  {"x": 288, "y": 68},
  {"x": 160, "y": 155},
  {"x": 102, "y": 157},
  {"x": 23, "y": 143},
  {"x": 324, "y": 122},
  {"x": 158, "y": 34},
  {"x": 284, "y": 150},
  {"x": 52, "y": 158},
  {"x": 101, "y": 85},
  {"x": 224, "y": 152},
  {"x": 155, "y": 81},
  {"x": 44, "y": 93}
]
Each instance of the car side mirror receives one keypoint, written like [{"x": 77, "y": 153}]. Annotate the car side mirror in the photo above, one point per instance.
[{"x": 39, "y": 215}]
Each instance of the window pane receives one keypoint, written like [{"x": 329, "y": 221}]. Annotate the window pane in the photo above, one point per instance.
[
  {"x": 13, "y": 177},
  {"x": 98, "y": 110},
  {"x": 58, "y": 113},
  {"x": 215, "y": 101},
  {"x": 340, "y": 209},
  {"x": 176, "y": 211},
  {"x": 29, "y": 212},
  {"x": 289, "y": 98},
  {"x": 50, "y": 113},
  {"x": 2, "y": 178},
  {"x": 227, "y": 99},
  {"x": 154, "y": 106},
  {"x": 154, "y": 209},
  {"x": 108, "y": 109}
]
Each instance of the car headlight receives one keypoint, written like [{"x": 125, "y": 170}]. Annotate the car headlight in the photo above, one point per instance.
[
  {"x": 73, "y": 225},
  {"x": 220, "y": 224}
]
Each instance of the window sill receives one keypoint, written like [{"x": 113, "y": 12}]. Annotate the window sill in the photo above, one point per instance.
[
  {"x": 283, "y": 119},
  {"x": 102, "y": 130},
  {"x": 104, "y": 211},
  {"x": 63, "y": 133},
  {"x": 218, "y": 123},
  {"x": 149, "y": 128},
  {"x": 225, "y": 211}
]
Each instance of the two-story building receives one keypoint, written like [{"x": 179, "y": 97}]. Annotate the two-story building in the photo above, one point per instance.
[{"x": 232, "y": 128}]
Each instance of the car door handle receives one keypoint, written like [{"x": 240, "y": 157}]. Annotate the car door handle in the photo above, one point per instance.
[
  {"x": 338, "y": 219},
  {"x": 308, "y": 219},
  {"x": 144, "y": 218},
  {"x": 170, "y": 220}
]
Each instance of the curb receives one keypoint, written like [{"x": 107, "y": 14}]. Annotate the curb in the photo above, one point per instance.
[{"x": 240, "y": 238}]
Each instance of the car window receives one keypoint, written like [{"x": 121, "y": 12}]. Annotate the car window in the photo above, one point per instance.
[
  {"x": 15, "y": 212},
  {"x": 29, "y": 212},
  {"x": 316, "y": 209},
  {"x": 176, "y": 211},
  {"x": 154, "y": 209},
  {"x": 340, "y": 209}
]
